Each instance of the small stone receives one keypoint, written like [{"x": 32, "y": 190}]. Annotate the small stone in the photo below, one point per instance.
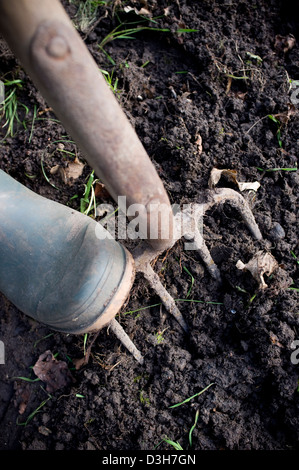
[{"x": 277, "y": 232}]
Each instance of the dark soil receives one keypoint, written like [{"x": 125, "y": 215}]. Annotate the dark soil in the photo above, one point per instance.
[{"x": 242, "y": 344}]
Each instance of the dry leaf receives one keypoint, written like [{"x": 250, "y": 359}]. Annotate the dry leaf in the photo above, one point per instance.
[
  {"x": 216, "y": 175},
  {"x": 245, "y": 186},
  {"x": 150, "y": 93},
  {"x": 44, "y": 430},
  {"x": 55, "y": 169},
  {"x": 100, "y": 191},
  {"x": 84, "y": 360},
  {"x": 142, "y": 11},
  {"x": 284, "y": 117},
  {"x": 262, "y": 263},
  {"x": 198, "y": 142},
  {"x": 240, "y": 95},
  {"x": 22, "y": 396},
  {"x": 284, "y": 43},
  {"x": 74, "y": 169},
  {"x": 274, "y": 340},
  {"x": 232, "y": 176},
  {"x": 229, "y": 84},
  {"x": 72, "y": 172},
  {"x": 54, "y": 373}
]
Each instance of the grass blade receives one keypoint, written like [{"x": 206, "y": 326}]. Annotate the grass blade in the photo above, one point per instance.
[
  {"x": 193, "y": 396},
  {"x": 193, "y": 427},
  {"x": 176, "y": 445},
  {"x": 31, "y": 416}
]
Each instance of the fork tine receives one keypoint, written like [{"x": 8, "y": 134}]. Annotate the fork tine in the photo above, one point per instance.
[{"x": 166, "y": 298}]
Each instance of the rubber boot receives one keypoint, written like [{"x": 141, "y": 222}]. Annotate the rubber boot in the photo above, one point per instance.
[{"x": 54, "y": 267}]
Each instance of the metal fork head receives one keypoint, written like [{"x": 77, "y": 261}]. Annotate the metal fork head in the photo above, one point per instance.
[{"x": 188, "y": 224}]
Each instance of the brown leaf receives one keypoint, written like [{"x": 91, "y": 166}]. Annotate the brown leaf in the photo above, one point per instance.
[
  {"x": 70, "y": 173},
  {"x": 284, "y": 43},
  {"x": 74, "y": 170},
  {"x": 100, "y": 191},
  {"x": 262, "y": 263},
  {"x": 84, "y": 360},
  {"x": 55, "y": 169},
  {"x": 142, "y": 11},
  {"x": 81, "y": 362},
  {"x": 274, "y": 340},
  {"x": 284, "y": 117},
  {"x": 150, "y": 93},
  {"x": 216, "y": 175},
  {"x": 22, "y": 396},
  {"x": 229, "y": 84},
  {"x": 232, "y": 176},
  {"x": 54, "y": 373},
  {"x": 198, "y": 142},
  {"x": 240, "y": 95}
]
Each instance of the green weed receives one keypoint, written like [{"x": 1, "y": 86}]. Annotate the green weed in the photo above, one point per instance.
[
  {"x": 32, "y": 123},
  {"x": 42, "y": 339},
  {"x": 121, "y": 32},
  {"x": 37, "y": 410},
  {"x": 88, "y": 202},
  {"x": 296, "y": 289},
  {"x": 177, "y": 445},
  {"x": 268, "y": 170},
  {"x": 193, "y": 427},
  {"x": 254, "y": 57},
  {"x": 11, "y": 107},
  {"x": 84, "y": 343},
  {"x": 26, "y": 379},
  {"x": 192, "y": 281},
  {"x": 143, "y": 399},
  {"x": 159, "y": 336},
  {"x": 193, "y": 396},
  {"x": 44, "y": 170},
  {"x": 87, "y": 13},
  {"x": 278, "y": 132},
  {"x": 126, "y": 31},
  {"x": 295, "y": 257},
  {"x": 130, "y": 312},
  {"x": 111, "y": 81}
]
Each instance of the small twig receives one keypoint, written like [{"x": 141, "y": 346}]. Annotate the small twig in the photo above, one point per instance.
[{"x": 259, "y": 120}]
